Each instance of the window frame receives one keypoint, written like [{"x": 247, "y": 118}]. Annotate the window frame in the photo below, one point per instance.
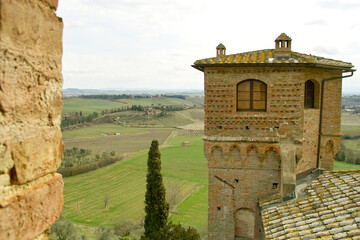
[
  {"x": 309, "y": 95},
  {"x": 251, "y": 98}
]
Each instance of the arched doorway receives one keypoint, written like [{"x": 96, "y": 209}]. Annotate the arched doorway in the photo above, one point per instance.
[{"x": 244, "y": 224}]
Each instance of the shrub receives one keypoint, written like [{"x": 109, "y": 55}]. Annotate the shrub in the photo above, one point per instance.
[
  {"x": 104, "y": 233},
  {"x": 174, "y": 232},
  {"x": 123, "y": 228},
  {"x": 64, "y": 230}
]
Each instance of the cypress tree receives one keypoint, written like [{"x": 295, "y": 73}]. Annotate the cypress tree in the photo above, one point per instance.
[{"x": 156, "y": 207}]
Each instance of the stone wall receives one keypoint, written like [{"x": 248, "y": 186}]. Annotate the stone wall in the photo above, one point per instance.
[{"x": 31, "y": 146}]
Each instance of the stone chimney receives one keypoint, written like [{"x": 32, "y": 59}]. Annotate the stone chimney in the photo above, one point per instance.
[
  {"x": 282, "y": 46},
  {"x": 220, "y": 50}
]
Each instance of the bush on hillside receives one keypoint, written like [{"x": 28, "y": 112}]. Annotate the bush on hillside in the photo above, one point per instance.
[
  {"x": 123, "y": 228},
  {"x": 72, "y": 171},
  {"x": 104, "y": 233},
  {"x": 63, "y": 230},
  {"x": 174, "y": 232}
]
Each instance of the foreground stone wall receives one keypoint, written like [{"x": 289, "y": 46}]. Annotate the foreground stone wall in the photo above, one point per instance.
[{"x": 30, "y": 113}]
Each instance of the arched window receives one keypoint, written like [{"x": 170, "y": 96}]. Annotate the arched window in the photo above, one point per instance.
[
  {"x": 309, "y": 94},
  {"x": 251, "y": 96}
]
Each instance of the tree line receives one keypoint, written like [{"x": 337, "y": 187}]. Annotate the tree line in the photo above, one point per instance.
[
  {"x": 79, "y": 118},
  {"x": 77, "y": 161},
  {"x": 129, "y": 96},
  {"x": 347, "y": 155}
]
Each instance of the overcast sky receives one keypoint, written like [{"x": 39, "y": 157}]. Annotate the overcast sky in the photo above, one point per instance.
[{"x": 132, "y": 44}]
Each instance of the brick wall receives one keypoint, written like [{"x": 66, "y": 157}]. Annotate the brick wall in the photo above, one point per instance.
[{"x": 243, "y": 148}]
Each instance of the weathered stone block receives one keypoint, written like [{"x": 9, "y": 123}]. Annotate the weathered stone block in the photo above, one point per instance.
[
  {"x": 29, "y": 213},
  {"x": 31, "y": 26},
  {"x": 4, "y": 179},
  {"x": 6, "y": 162},
  {"x": 53, "y": 3},
  {"x": 37, "y": 156}
]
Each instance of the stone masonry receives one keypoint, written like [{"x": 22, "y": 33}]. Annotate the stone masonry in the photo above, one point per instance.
[
  {"x": 257, "y": 154},
  {"x": 31, "y": 147}
]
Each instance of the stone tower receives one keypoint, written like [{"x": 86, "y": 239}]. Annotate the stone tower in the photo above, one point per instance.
[{"x": 269, "y": 115}]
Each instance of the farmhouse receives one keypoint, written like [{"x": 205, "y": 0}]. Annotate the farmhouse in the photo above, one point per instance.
[{"x": 272, "y": 121}]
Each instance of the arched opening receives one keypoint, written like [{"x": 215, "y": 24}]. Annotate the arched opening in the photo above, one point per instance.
[
  {"x": 244, "y": 223},
  {"x": 252, "y": 157},
  {"x": 235, "y": 154},
  {"x": 271, "y": 159},
  {"x": 311, "y": 94},
  {"x": 217, "y": 153},
  {"x": 251, "y": 95}
]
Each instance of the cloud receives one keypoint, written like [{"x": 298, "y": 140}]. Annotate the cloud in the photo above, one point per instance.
[
  {"x": 118, "y": 43},
  {"x": 114, "y": 4},
  {"x": 342, "y": 5},
  {"x": 319, "y": 22},
  {"x": 327, "y": 50}
]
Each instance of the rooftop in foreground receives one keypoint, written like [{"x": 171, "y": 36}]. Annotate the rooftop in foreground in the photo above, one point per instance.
[{"x": 330, "y": 210}]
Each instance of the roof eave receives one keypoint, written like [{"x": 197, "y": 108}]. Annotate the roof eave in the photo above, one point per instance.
[{"x": 201, "y": 67}]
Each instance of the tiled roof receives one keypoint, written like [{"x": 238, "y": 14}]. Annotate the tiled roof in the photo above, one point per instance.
[
  {"x": 331, "y": 210},
  {"x": 266, "y": 56},
  {"x": 283, "y": 36},
  {"x": 221, "y": 46}
]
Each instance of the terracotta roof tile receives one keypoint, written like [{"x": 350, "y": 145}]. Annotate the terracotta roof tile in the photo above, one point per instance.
[
  {"x": 266, "y": 56},
  {"x": 331, "y": 210}
]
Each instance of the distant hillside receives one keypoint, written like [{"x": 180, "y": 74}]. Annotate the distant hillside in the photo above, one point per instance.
[
  {"x": 77, "y": 104},
  {"x": 74, "y": 92}
]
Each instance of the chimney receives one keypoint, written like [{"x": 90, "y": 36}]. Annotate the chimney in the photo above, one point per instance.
[
  {"x": 220, "y": 50},
  {"x": 282, "y": 46}
]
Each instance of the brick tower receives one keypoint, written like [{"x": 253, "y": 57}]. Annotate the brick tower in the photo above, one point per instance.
[{"x": 269, "y": 115}]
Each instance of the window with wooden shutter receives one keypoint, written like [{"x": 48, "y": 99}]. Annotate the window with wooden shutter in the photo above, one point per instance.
[{"x": 251, "y": 96}]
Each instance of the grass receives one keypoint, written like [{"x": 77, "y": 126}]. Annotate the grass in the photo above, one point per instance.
[
  {"x": 97, "y": 105},
  {"x": 195, "y": 115},
  {"x": 351, "y": 130},
  {"x": 124, "y": 184},
  {"x": 345, "y": 166},
  {"x": 196, "y": 99},
  {"x": 191, "y": 211},
  {"x": 130, "y": 140},
  {"x": 352, "y": 144},
  {"x": 88, "y": 105},
  {"x": 97, "y": 130},
  {"x": 140, "y": 119}
]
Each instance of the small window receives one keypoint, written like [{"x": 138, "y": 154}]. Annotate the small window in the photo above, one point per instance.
[
  {"x": 309, "y": 94},
  {"x": 251, "y": 96}
]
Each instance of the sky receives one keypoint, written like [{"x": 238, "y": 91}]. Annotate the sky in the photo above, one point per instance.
[{"x": 141, "y": 44}]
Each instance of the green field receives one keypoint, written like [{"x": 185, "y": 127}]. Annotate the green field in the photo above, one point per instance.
[
  {"x": 124, "y": 184},
  {"x": 184, "y": 167},
  {"x": 97, "y": 105},
  {"x": 98, "y": 130},
  {"x": 140, "y": 119},
  {"x": 345, "y": 166},
  {"x": 130, "y": 140},
  {"x": 350, "y": 130}
]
